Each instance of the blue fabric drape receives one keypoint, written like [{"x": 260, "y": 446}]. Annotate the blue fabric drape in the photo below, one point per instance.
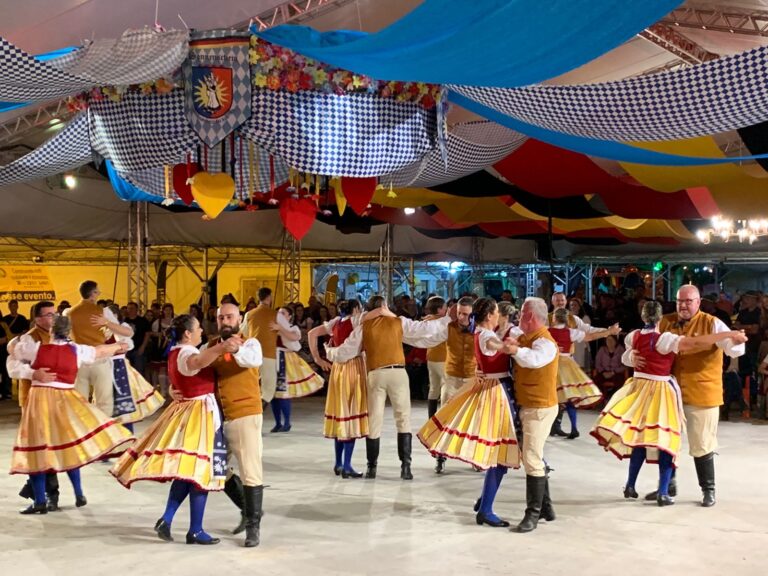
[
  {"x": 505, "y": 43},
  {"x": 6, "y": 106},
  {"x": 127, "y": 191}
]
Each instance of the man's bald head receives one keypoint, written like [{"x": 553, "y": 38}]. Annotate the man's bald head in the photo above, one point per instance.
[
  {"x": 688, "y": 301},
  {"x": 228, "y": 320}
]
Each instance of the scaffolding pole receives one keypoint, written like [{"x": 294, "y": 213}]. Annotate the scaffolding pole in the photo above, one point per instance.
[
  {"x": 385, "y": 265},
  {"x": 138, "y": 254},
  {"x": 291, "y": 269}
]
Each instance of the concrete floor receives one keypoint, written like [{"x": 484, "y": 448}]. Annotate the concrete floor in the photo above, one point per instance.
[{"x": 318, "y": 524}]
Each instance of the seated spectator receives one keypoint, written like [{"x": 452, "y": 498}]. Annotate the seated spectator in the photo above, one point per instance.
[
  {"x": 610, "y": 373},
  {"x": 732, "y": 388}
]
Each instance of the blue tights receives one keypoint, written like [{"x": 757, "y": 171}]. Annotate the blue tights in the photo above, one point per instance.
[
  {"x": 491, "y": 485},
  {"x": 197, "y": 499},
  {"x": 665, "y": 469},
  {"x": 281, "y": 410},
  {"x": 38, "y": 485},
  {"x": 571, "y": 409}
]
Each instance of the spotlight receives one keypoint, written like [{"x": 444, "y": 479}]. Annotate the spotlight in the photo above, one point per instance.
[
  {"x": 70, "y": 181},
  {"x": 409, "y": 211}
]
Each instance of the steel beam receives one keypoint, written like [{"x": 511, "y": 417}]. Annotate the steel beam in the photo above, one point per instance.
[
  {"x": 138, "y": 254},
  {"x": 674, "y": 42},
  {"x": 720, "y": 19}
]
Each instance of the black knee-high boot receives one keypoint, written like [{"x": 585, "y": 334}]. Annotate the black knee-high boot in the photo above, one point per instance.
[
  {"x": 547, "y": 510},
  {"x": 52, "y": 491},
  {"x": 705, "y": 470},
  {"x": 235, "y": 490},
  {"x": 404, "y": 452},
  {"x": 372, "y": 456},
  {"x": 557, "y": 429},
  {"x": 432, "y": 407},
  {"x": 534, "y": 497},
  {"x": 254, "y": 497}
]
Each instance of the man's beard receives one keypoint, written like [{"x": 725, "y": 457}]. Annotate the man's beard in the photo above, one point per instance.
[{"x": 227, "y": 332}]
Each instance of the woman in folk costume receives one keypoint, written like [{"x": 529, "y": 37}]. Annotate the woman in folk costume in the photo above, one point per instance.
[
  {"x": 476, "y": 425},
  {"x": 574, "y": 388},
  {"x": 644, "y": 419},
  {"x": 134, "y": 398},
  {"x": 185, "y": 445},
  {"x": 346, "y": 405},
  {"x": 295, "y": 378},
  {"x": 60, "y": 431}
]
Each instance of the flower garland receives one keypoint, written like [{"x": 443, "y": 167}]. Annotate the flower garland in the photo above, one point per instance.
[
  {"x": 277, "y": 68},
  {"x": 115, "y": 93}
]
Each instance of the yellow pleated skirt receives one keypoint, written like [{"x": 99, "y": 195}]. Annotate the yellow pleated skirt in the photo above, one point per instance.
[
  {"x": 643, "y": 413},
  {"x": 300, "y": 379},
  {"x": 178, "y": 446},
  {"x": 146, "y": 399},
  {"x": 475, "y": 426},
  {"x": 574, "y": 386},
  {"x": 61, "y": 431},
  {"x": 346, "y": 406}
]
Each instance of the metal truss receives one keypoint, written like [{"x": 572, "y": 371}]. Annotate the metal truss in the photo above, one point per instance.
[
  {"x": 291, "y": 269},
  {"x": 138, "y": 254},
  {"x": 720, "y": 19},
  {"x": 13, "y": 130},
  {"x": 672, "y": 41},
  {"x": 478, "y": 269},
  {"x": 293, "y": 12},
  {"x": 386, "y": 265}
]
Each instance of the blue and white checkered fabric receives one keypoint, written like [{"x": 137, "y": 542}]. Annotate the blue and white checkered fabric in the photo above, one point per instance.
[
  {"x": 714, "y": 97},
  {"x": 471, "y": 146},
  {"x": 137, "y": 56},
  {"x": 67, "y": 150},
  {"x": 358, "y": 135}
]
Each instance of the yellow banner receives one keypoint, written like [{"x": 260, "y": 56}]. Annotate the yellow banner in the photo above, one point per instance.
[{"x": 25, "y": 284}]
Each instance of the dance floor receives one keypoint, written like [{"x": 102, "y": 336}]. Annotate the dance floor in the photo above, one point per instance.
[{"x": 318, "y": 524}]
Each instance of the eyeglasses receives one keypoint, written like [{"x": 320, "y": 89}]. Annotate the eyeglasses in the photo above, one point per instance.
[{"x": 688, "y": 301}]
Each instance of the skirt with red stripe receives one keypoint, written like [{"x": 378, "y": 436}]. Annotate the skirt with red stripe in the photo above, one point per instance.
[
  {"x": 574, "y": 386},
  {"x": 346, "y": 406},
  {"x": 475, "y": 426},
  {"x": 61, "y": 431},
  {"x": 179, "y": 445},
  {"x": 642, "y": 414},
  {"x": 146, "y": 399},
  {"x": 300, "y": 379}
]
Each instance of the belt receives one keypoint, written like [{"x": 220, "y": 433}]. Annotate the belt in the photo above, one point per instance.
[{"x": 390, "y": 367}]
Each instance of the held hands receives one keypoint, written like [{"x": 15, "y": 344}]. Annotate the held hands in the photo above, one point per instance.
[
  {"x": 43, "y": 375},
  {"x": 614, "y": 330},
  {"x": 510, "y": 346},
  {"x": 738, "y": 336},
  {"x": 123, "y": 347},
  {"x": 232, "y": 344},
  {"x": 274, "y": 326}
]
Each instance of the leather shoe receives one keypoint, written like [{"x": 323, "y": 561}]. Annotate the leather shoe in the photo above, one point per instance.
[
  {"x": 630, "y": 492},
  {"x": 351, "y": 474},
  {"x": 481, "y": 519},
  {"x": 337, "y": 470},
  {"x": 664, "y": 500},
  {"x": 80, "y": 501},
  {"x": 277, "y": 428},
  {"x": 35, "y": 509},
  {"x": 163, "y": 530},
  {"x": 574, "y": 434},
  {"x": 440, "y": 465},
  {"x": 201, "y": 538},
  {"x": 286, "y": 428}
]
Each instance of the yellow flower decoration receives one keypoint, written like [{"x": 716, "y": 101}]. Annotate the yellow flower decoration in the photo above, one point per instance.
[{"x": 260, "y": 80}]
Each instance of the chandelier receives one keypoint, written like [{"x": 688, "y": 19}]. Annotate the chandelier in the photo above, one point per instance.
[{"x": 741, "y": 230}]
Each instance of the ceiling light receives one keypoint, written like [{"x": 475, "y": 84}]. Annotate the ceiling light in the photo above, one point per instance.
[
  {"x": 409, "y": 211},
  {"x": 70, "y": 181}
]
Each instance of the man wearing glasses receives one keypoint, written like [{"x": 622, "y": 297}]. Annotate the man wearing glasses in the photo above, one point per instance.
[{"x": 700, "y": 375}]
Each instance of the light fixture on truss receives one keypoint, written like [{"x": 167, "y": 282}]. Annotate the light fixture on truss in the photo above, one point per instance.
[{"x": 748, "y": 230}]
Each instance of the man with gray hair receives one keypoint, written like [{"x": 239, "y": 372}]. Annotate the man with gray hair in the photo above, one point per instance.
[
  {"x": 700, "y": 376},
  {"x": 536, "y": 359}
]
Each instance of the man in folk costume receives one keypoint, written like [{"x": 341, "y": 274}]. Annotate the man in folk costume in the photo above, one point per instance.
[
  {"x": 435, "y": 309},
  {"x": 257, "y": 324},
  {"x": 21, "y": 369},
  {"x": 87, "y": 329},
  {"x": 237, "y": 386},
  {"x": 381, "y": 335},
  {"x": 11, "y": 326},
  {"x": 536, "y": 358},
  {"x": 460, "y": 360},
  {"x": 700, "y": 376},
  {"x": 560, "y": 301}
]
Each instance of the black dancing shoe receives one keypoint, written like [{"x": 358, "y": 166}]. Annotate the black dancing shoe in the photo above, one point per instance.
[
  {"x": 35, "y": 509},
  {"x": 286, "y": 428},
  {"x": 163, "y": 530},
  {"x": 664, "y": 500},
  {"x": 277, "y": 428},
  {"x": 337, "y": 470},
  {"x": 80, "y": 501},
  {"x": 201, "y": 538},
  {"x": 440, "y": 465},
  {"x": 351, "y": 474},
  {"x": 630, "y": 492},
  {"x": 481, "y": 519},
  {"x": 573, "y": 435}
]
